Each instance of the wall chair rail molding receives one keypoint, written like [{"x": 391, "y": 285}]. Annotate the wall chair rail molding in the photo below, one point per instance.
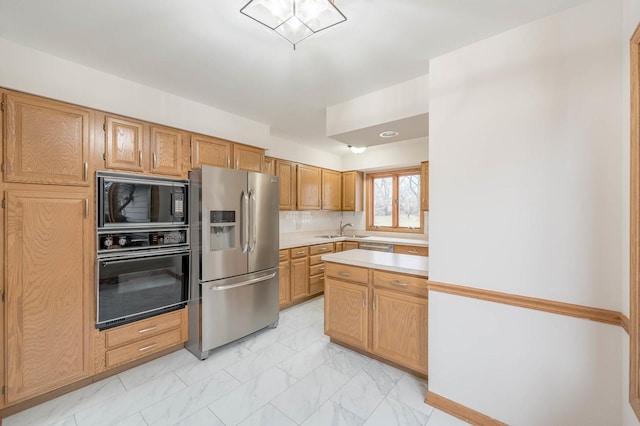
[
  {"x": 460, "y": 411},
  {"x": 634, "y": 238},
  {"x": 579, "y": 311}
]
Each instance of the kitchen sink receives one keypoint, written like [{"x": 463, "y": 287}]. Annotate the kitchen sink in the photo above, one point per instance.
[{"x": 326, "y": 236}]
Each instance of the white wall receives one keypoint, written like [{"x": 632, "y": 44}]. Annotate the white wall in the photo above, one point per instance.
[
  {"x": 39, "y": 73},
  {"x": 526, "y": 198}
]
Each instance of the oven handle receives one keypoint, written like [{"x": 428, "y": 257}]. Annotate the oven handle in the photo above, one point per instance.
[
  {"x": 243, "y": 283},
  {"x": 111, "y": 261}
]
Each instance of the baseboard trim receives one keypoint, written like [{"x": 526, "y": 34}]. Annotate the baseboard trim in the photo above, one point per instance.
[
  {"x": 578, "y": 311},
  {"x": 460, "y": 411}
]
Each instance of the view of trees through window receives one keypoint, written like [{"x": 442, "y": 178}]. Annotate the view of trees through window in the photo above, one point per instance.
[{"x": 396, "y": 200}]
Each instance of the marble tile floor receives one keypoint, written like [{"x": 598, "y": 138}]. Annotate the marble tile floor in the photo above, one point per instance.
[{"x": 290, "y": 375}]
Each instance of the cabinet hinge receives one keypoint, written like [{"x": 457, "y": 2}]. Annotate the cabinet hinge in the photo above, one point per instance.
[
  {"x": 3, "y": 389},
  {"x": 4, "y": 203},
  {"x": 104, "y": 126},
  {"x": 2, "y": 167},
  {"x": 3, "y": 297},
  {"x": 2, "y": 108}
]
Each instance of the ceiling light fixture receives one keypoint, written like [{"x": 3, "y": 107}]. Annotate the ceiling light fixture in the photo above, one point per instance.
[
  {"x": 357, "y": 149},
  {"x": 294, "y": 20},
  {"x": 389, "y": 134}
]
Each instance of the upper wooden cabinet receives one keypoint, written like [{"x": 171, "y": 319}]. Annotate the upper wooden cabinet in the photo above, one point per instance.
[
  {"x": 166, "y": 151},
  {"x": 207, "y": 150},
  {"x": 331, "y": 190},
  {"x": 49, "y": 290},
  {"x": 309, "y": 187},
  {"x": 124, "y": 144},
  {"x": 424, "y": 186},
  {"x": 352, "y": 190},
  {"x": 45, "y": 141},
  {"x": 286, "y": 171},
  {"x": 248, "y": 158},
  {"x": 269, "y": 166}
]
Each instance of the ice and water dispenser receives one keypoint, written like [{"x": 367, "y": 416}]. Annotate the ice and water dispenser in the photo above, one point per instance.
[{"x": 223, "y": 230}]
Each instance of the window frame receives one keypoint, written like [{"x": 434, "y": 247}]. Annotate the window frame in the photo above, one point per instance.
[{"x": 394, "y": 174}]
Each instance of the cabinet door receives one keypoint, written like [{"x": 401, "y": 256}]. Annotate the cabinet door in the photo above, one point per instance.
[
  {"x": 309, "y": 183},
  {"x": 286, "y": 171},
  {"x": 345, "y": 312},
  {"x": 49, "y": 291},
  {"x": 124, "y": 145},
  {"x": 248, "y": 158},
  {"x": 349, "y": 245},
  {"x": 285, "y": 282},
  {"x": 210, "y": 151},
  {"x": 331, "y": 190},
  {"x": 424, "y": 186},
  {"x": 46, "y": 141},
  {"x": 166, "y": 151},
  {"x": 352, "y": 191},
  {"x": 299, "y": 278},
  {"x": 400, "y": 328},
  {"x": 269, "y": 166}
]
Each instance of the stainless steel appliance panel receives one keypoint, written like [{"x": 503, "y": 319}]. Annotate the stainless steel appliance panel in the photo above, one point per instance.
[
  {"x": 264, "y": 221},
  {"x": 225, "y": 225},
  {"x": 235, "y": 307},
  {"x": 376, "y": 247}
]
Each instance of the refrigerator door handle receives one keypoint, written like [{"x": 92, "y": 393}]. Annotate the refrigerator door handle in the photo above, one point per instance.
[
  {"x": 244, "y": 207},
  {"x": 253, "y": 223},
  {"x": 244, "y": 283}
]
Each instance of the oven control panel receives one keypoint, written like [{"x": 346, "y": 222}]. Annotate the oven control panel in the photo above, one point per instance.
[{"x": 131, "y": 240}]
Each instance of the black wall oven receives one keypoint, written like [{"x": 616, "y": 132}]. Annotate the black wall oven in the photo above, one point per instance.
[{"x": 142, "y": 266}]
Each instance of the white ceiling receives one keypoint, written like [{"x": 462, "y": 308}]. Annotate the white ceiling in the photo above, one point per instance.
[{"x": 205, "y": 50}]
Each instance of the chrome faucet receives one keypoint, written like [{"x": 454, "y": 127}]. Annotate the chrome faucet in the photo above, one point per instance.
[{"x": 342, "y": 228}]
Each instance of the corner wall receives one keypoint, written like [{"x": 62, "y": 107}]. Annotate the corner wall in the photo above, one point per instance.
[{"x": 526, "y": 199}]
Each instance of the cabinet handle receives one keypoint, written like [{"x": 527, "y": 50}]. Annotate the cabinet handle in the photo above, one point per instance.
[
  {"x": 344, "y": 274},
  {"x": 363, "y": 302},
  {"x": 323, "y": 249},
  {"x": 300, "y": 252},
  {"x": 399, "y": 283},
  {"x": 144, "y": 330},
  {"x": 322, "y": 269},
  {"x": 281, "y": 256},
  {"x": 374, "y": 302},
  {"x": 86, "y": 171},
  {"x": 412, "y": 251},
  {"x": 228, "y": 163},
  {"x": 147, "y": 347},
  {"x": 86, "y": 207},
  {"x": 155, "y": 161},
  {"x": 237, "y": 163},
  {"x": 140, "y": 158}
]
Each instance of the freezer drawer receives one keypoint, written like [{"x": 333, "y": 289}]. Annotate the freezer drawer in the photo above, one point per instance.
[{"x": 235, "y": 307}]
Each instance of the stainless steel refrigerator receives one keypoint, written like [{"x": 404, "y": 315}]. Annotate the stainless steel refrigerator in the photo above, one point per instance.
[{"x": 234, "y": 254}]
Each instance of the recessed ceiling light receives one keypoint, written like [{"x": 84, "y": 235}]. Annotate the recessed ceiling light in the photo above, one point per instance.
[
  {"x": 389, "y": 134},
  {"x": 357, "y": 149}
]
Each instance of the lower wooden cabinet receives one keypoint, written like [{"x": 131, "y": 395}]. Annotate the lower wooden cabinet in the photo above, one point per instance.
[
  {"x": 414, "y": 250},
  {"x": 382, "y": 313},
  {"x": 349, "y": 245},
  {"x": 400, "y": 328},
  {"x": 346, "y": 310},
  {"x": 120, "y": 345},
  {"x": 299, "y": 278},
  {"x": 49, "y": 291}
]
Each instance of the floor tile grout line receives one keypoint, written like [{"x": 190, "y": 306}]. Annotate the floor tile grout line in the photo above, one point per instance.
[{"x": 409, "y": 407}]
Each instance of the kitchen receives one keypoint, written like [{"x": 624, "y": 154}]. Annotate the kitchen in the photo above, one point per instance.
[{"x": 480, "y": 224}]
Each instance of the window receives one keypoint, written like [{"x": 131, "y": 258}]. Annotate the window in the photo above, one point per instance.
[{"x": 393, "y": 201}]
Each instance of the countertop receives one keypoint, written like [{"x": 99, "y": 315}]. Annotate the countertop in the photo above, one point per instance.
[
  {"x": 306, "y": 239},
  {"x": 402, "y": 263}
]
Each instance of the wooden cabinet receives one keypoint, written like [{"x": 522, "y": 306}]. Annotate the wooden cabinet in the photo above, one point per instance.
[
  {"x": 349, "y": 245},
  {"x": 124, "y": 144},
  {"x": 317, "y": 267},
  {"x": 210, "y": 151},
  {"x": 424, "y": 185},
  {"x": 400, "y": 328},
  {"x": 166, "y": 151},
  {"x": 284, "y": 271},
  {"x": 269, "y": 166},
  {"x": 346, "y": 312},
  {"x": 396, "y": 305},
  {"x": 49, "y": 291},
  {"x": 45, "y": 141},
  {"x": 309, "y": 181},
  {"x": 299, "y": 278},
  {"x": 414, "y": 250},
  {"x": 339, "y": 246},
  {"x": 248, "y": 158},
  {"x": 286, "y": 171},
  {"x": 331, "y": 190},
  {"x": 130, "y": 342},
  {"x": 352, "y": 191}
]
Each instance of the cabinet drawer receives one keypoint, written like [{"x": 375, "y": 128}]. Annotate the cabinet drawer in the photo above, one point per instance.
[
  {"x": 143, "y": 348},
  {"x": 349, "y": 273},
  {"x": 415, "y": 250},
  {"x": 315, "y": 260},
  {"x": 317, "y": 269},
  {"x": 283, "y": 255},
  {"x": 400, "y": 282},
  {"x": 297, "y": 252},
  {"x": 142, "y": 329},
  {"x": 321, "y": 249},
  {"x": 316, "y": 284}
]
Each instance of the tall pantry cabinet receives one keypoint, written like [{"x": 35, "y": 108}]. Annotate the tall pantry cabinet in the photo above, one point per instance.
[{"x": 48, "y": 245}]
